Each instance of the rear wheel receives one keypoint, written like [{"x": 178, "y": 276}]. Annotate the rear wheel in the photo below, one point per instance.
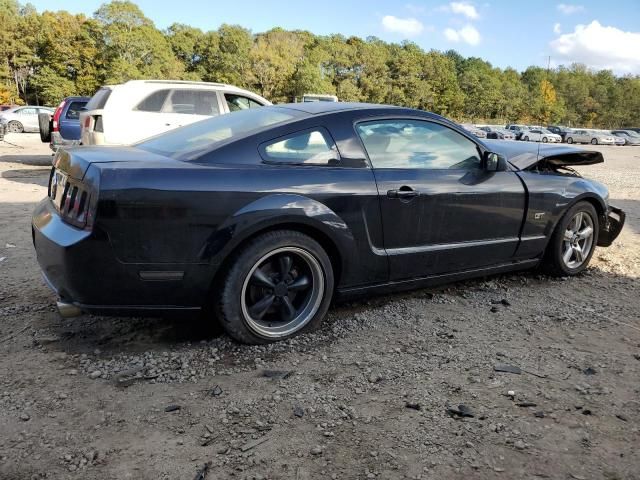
[
  {"x": 544, "y": 140},
  {"x": 594, "y": 141},
  {"x": 526, "y": 139},
  {"x": 573, "y": 242},
  {"x": 15, "y": 126},
  {"x": 279, "y": 285}
]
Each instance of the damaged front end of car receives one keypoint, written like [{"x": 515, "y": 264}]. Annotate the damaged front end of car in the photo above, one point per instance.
[{"x": 610, "y": 226}]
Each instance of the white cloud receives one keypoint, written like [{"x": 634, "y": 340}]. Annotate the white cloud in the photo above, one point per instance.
[
  {"x": 557, "y": 29},
  {"x": 600, "y": 47},
  {"x": 404, "y": 26},
  {"x": 569, "y": 8},
  {"x": 464, "y": 8},
  {"x": 467, "y": 34}
]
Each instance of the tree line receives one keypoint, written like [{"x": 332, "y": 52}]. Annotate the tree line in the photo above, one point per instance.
[{"x": 47, "y": 56}]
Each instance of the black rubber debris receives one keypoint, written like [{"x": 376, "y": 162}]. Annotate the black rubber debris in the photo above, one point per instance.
[
  {"x": 504, "y": 368},
  {"x": 462, "y": 411},
  {"x": 172, "y": 408},
  {"x": 277, "y": 374}
]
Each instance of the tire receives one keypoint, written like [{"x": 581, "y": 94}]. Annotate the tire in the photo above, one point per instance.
[
  {"x": 594, "y": 141},
  {"x": 544, "y": 140},
  {"x": 15, "y": 127},
  {"x": 569, "y": 140},
  {"x": 252, "y": 311},
  {"x": 526, "y": 139},
  {"x": 44, "y": 122},
  {"x": 557, "y": 260}
]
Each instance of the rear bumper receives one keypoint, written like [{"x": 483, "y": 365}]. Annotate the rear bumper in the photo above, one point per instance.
[
  {"x": 81, "y": 268},
  {"x": 611, "y": 227},
  {"x": 57, "y": 141}
]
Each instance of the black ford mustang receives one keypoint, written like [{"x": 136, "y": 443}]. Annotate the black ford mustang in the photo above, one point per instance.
[{"x": 266, "y": 214}]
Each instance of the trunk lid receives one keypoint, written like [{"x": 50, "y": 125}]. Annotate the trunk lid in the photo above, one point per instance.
[{"x": 76, "y": 161}]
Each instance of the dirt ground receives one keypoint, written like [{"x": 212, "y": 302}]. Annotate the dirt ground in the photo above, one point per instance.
[{"x": 364, "y": 397}]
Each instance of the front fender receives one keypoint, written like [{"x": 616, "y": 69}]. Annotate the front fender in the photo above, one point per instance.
[{"x": 287, "y": 210}]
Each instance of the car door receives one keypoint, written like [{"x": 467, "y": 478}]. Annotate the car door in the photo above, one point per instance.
[
  {"x": 29, "y": 118},
  {"x": 234, "y": 102},
  {"x": 441, "y": 211},
  {"x": 185, "y": 106}
]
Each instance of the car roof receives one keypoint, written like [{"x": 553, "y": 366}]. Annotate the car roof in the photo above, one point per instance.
[{"x": 316, "y": 108}]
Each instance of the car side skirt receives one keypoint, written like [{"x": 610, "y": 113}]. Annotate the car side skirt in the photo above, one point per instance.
[{"x": 435, "y": 280}]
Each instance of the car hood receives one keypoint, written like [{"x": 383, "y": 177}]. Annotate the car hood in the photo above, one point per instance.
[{"x": 523, "y": 155}]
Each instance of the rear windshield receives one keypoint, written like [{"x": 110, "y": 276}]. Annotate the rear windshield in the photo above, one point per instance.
[
  {"x": 189, "y": 142},
  {"x": 99, "y": 100}
]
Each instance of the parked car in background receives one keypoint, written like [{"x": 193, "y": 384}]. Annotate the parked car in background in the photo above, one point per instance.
[
  {"x": 540, "y": 135},
  {"x": 517, "y": 129},
  {"x": 474, "y": 130},
  {"x": 234, "y": 212},
  {"x": 129, "y": 112},
  {"x": 590, "y": 136},
  {"x": 23, "y": 119},
  {"x": 633, "y": 129},
  {"x": 7, "y": 107},
  {"x": 63, "y": 127},
  {"x": 314, "y": 97},
  {"x": 497, "y": 132},
  {"x": 617, "y": 140},
  {"x": 559, "y": 130},
  {"x": 629, "y": 136}
]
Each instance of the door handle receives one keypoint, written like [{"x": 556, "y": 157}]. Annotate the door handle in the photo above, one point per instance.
[{"x": 404, "y": 193}]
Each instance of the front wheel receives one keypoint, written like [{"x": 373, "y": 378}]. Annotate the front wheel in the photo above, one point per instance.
[
  {"x": 569, "y": 140},
  {"x": 278, "y": 286},
  {"x": 526, "y": 139},
  {"x": 573, "y": 241},
  {"x": 594, "y": 141}
]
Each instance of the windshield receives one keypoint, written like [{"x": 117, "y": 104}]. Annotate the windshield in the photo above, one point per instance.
[{"x": 186, "y": 143}]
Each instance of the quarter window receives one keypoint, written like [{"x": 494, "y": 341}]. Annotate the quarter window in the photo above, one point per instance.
[
  {"x": 417, "y": 144},
  {"x": 312, "y": 147},
  {"x": 194, "y": 102}
]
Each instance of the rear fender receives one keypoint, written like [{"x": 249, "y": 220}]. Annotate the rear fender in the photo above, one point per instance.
[{"x": 288, "y": 211}]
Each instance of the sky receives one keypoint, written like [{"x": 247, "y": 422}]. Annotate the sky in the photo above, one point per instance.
[{"x": 600, "y": 34}]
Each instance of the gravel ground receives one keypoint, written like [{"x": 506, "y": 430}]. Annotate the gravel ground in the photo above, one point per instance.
[{"x": 398, "y": 386}]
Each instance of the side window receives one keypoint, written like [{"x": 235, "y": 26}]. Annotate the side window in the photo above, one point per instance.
[
  {"x": 312, "y": 147},
  {"x": 27, "y": 111},
  {"x": 193, "y": 102},
  {"x": 153, "y": 102},
  {"x": 417, "y": 144},
  {"x": 238, "y": 102},
  {"x": 73, "y": 112}
]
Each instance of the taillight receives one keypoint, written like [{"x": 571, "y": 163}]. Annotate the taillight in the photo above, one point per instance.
[
  {"x": 87, "y": 121},
  {"x": 75, "y": 201},
  {"x": 56, "y": 116}
]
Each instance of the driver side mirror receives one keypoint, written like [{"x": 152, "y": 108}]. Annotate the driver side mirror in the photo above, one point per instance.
[{"x": 492, "y": 162}]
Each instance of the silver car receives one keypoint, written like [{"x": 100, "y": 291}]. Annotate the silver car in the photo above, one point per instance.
[
  {"x": 23, "y": 119},
  {"x": 629, "y": 136},
  {"x": 590, "y": 136}
]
